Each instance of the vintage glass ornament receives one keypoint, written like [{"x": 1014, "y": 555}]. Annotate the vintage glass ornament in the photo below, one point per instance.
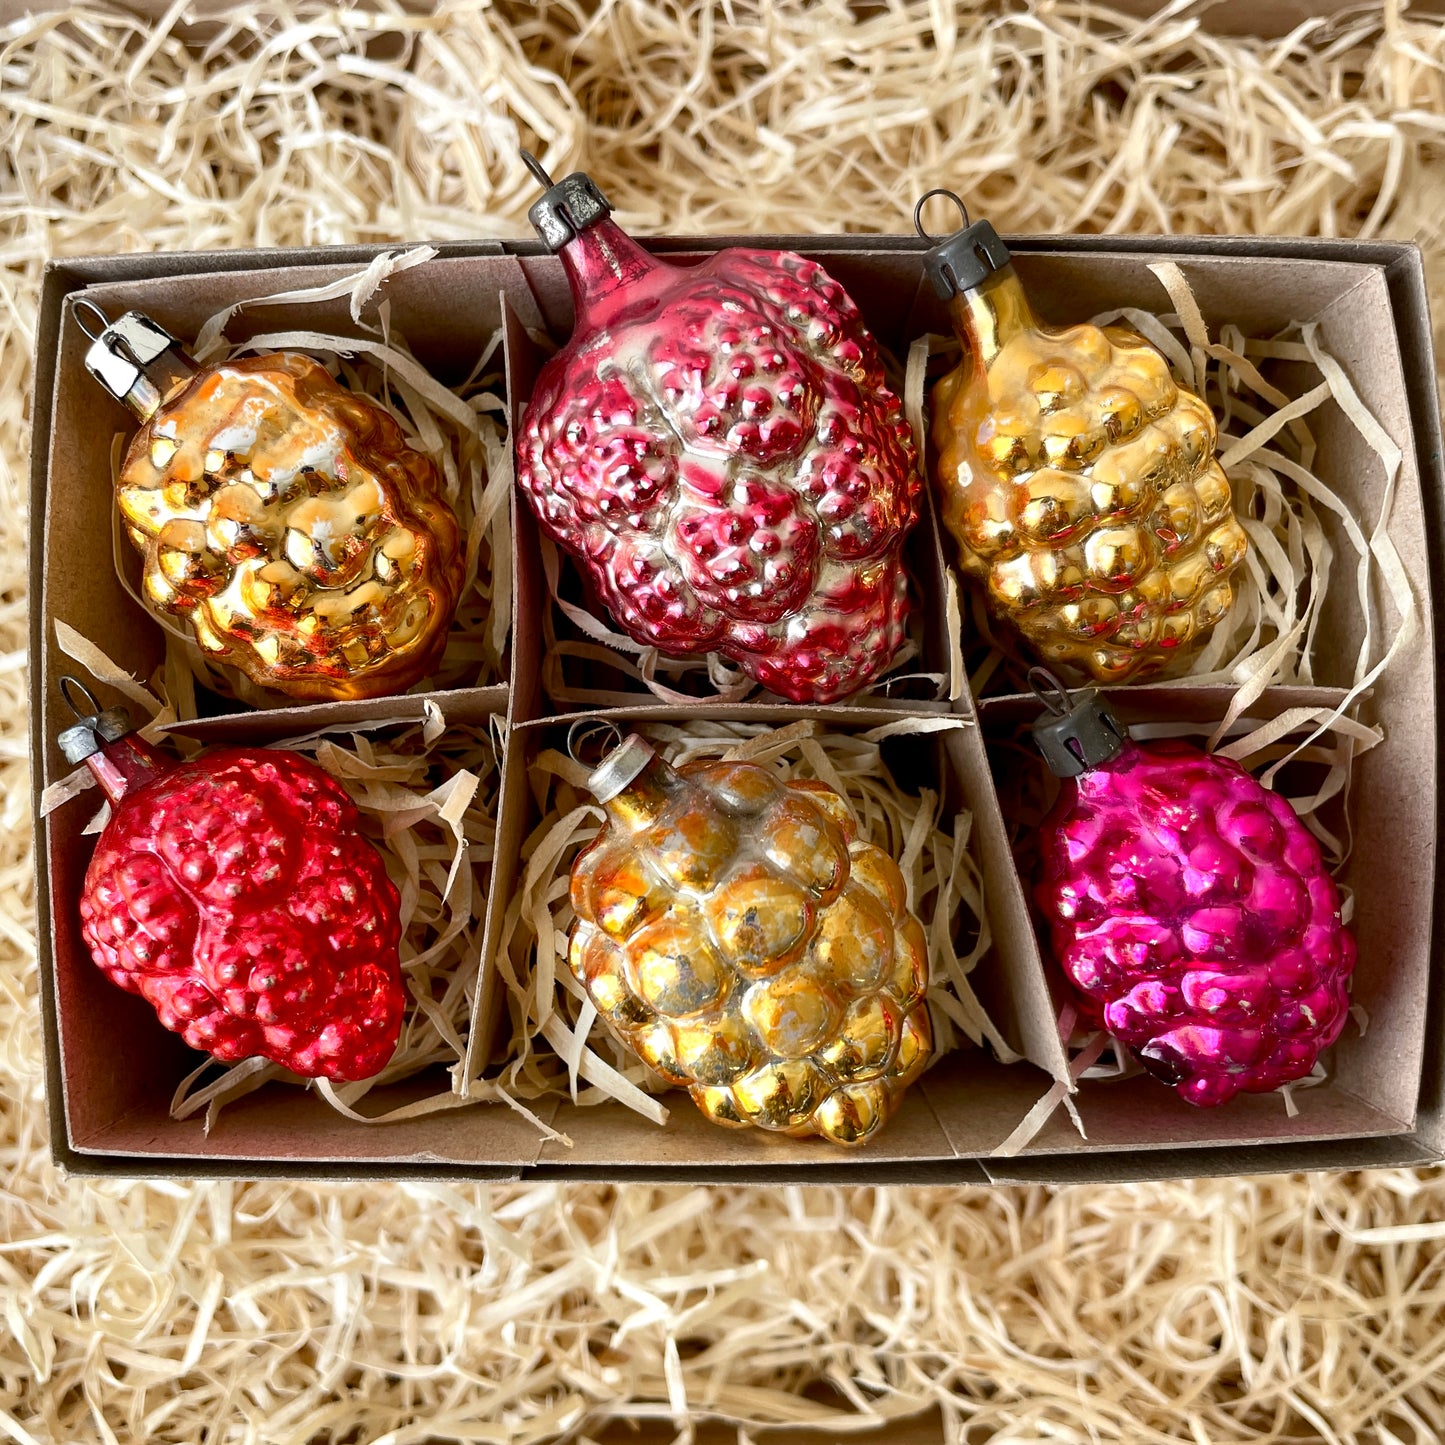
[
  {"x": 1189, "y": 906},
  {"x": 283, "y": 517},
  {"x": 716, "y": 449},
  {"x": 1078, "y": 480},
  {"x": 238, "y": 896},
  {"x": 737, "y": 935}
]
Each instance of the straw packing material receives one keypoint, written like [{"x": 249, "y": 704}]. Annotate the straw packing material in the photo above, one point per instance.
[{"x": 1208, "y": 1310}]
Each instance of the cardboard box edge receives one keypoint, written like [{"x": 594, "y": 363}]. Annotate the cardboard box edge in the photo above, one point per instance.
[{"x": 54, "y": 288}]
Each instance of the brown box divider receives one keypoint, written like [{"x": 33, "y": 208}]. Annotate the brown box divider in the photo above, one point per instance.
[{"x": 109, "y": 1103}]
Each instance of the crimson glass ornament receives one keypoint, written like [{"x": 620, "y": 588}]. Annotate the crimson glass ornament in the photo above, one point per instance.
[
  {"x": 238, "y": 896},
  {"x": 1189, "y": 906},
  {"x": 716, "y": 449}
]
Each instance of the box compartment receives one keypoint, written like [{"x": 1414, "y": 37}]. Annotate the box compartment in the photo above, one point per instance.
[{"x": 1383, "y": 1104}]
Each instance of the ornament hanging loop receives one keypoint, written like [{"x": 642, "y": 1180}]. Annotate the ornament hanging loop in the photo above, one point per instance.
[
  {"x": 924, "y": 199},
  {"x": 1051, "y": 693},
  {"x": 538, "y": 170},
  {"x": 83, "y": 307},
  {"x": 589, "y": 743},
  {"x": 70, "y": 685}
]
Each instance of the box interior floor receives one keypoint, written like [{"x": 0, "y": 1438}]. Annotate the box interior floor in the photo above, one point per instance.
[{"x": 1381, "y": 1099}]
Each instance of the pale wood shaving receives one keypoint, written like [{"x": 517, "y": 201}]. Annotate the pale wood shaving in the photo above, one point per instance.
[{"x": 1273, "y": 1308}]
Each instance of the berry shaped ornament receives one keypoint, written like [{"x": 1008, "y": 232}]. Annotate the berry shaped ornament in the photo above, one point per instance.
[
  {"x": 744, "y": 943},
  {"x": 1078, "y": 480},
  {"x": 716, "y": 449},
  {"x": 238, "y": 896},
  {"x": 1189, "y": 906},
  {"x": 284, "y": 518}
]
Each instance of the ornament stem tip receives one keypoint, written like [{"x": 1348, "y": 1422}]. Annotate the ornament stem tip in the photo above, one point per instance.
[
  {"x": 588, "y": 742},
  {"x": 538, "y": 170}
]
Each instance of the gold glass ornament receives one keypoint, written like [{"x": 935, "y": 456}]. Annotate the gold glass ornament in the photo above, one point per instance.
[
  {"x": 285, "y": 518},
  {"x": 1078, "y": 480},
  {"x": 735, "y": 933}
]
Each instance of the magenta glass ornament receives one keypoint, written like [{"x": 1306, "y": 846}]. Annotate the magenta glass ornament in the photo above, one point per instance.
[
  {"x": 1189, "y": 907},
  {"x": 717, "y": 451}
]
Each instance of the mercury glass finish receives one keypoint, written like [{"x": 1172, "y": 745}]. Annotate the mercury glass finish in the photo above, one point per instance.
[
  {"x": 1081, "y": 486},
  {"x": 737, "y": 935}
]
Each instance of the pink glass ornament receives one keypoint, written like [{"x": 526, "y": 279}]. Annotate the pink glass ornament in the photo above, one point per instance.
[
  {"x": 237, "y": 894},
  {"x": 716, "y": 449},
  {"x": 1190, "y": 908}
]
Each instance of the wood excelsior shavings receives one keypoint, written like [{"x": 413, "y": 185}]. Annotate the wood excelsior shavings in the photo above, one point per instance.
[{"x": 1280, "y": 1307}]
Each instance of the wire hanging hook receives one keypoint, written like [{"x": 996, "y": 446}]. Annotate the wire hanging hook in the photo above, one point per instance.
[
  {"x": 585, "y": 732},
  {"x": 539, "y": 172},
  {"x": 1050, "y": 691},
  {"x": 69, "y": 684},
  {"x": 83, "y": 306},
  {"x": 924, "y": 199}
]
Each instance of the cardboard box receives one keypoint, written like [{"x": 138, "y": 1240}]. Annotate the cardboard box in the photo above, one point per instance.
[{"x": 1383, "y": 1103}]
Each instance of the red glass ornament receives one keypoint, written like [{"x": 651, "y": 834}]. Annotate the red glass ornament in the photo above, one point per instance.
[
  {"x": 238, "y": 896},
  {"x": 716, "y": 449},
  {"x": 1190, "y": 908}
]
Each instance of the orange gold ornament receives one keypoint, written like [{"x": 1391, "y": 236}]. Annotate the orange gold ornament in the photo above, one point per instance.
[
  {"x": 285, "y": 518},
  {"x": 741, "y": 940},
  {"x": 1078, "y": 480}
]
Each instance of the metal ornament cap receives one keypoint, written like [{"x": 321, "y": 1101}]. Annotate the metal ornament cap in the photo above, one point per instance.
[
  {"x": 94, "y": 727},
  {"x": 124, "y": 353},
  {"x": 620, "y": 768},
  {"x": 1077, "y": 733},
  {"x": 567, "y": 207},
  {"x": 965, "y": 259}
]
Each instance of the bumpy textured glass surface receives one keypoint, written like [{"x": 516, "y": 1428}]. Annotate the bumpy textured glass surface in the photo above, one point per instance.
[
  {"x": 1081, "y": 486},
  {"x": 237, "y": 895},
  {"x": 1193, "y": 911},
  {"x": 736, "y": 934},
  {"x": 287, "y": 520},
  {"x": 717, "y": 450}
]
